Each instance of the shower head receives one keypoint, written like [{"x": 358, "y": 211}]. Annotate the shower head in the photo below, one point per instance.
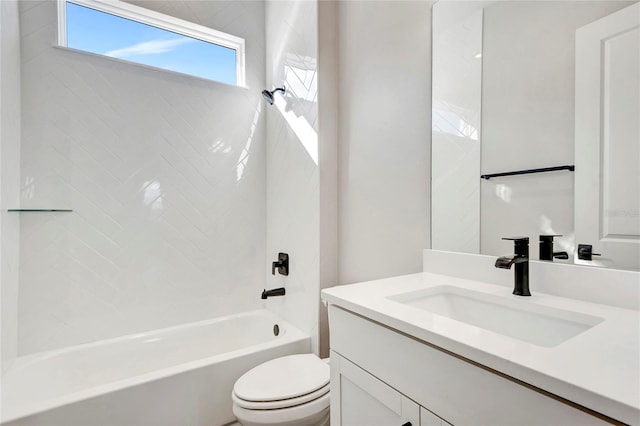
[{"x": 269, "y": 95}]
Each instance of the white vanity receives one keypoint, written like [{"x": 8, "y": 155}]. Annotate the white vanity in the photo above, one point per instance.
[{"x": 440, "y": 348}]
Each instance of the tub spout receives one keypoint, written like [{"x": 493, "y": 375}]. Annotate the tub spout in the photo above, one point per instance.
[{"x": 274, "y": 292}]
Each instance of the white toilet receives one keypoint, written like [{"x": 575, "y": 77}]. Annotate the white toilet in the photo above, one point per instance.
[{"x": 288, "y": 391}]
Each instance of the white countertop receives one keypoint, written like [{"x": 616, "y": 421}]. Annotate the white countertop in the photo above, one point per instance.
[{"x": 599, "y": 368}]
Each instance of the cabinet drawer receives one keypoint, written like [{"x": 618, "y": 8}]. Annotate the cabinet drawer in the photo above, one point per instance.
[{"x": 453, "y": 389}]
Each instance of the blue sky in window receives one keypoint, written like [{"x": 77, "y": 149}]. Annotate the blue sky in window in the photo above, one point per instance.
[{"x": 105, "y": 34}]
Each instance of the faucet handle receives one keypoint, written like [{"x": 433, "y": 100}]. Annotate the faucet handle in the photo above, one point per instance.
[
  {"x": 520, "y": 245},
  {"x": 282, "y": 264},
  {"x": 585, "y": 252}
]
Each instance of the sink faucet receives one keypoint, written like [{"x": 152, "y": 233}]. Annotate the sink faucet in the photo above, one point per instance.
[
  {"x": 546, "y": 249},
  {"x": 521, "y": 260}
]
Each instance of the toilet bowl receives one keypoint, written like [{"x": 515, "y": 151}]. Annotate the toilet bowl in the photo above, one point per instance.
[{"x": 288, "y": 391}]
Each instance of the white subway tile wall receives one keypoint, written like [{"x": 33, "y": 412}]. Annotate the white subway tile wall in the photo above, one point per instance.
[
  {"x": 293, "y": 199},
  {"x": 166, "y": 177}
]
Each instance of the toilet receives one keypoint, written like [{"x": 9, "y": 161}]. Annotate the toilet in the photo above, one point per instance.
[{"x": 288, "y": 391}]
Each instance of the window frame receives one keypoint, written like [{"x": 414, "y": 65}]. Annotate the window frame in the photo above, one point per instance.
[{"x": 162, "y": 21}]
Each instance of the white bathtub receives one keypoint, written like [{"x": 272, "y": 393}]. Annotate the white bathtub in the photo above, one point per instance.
[{"x": 175, "y": 376}]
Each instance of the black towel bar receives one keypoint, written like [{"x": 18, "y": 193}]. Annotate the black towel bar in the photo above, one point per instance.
[{"x": 571, "y": 168}]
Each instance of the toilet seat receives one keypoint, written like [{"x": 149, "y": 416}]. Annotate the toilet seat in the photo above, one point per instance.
[
  {"x": 288, "y": 391},
  {"x": 283, "y": 378},
  {"x": 282, "y": 383},
  {"x": 311, "y": 413},
  {"x": 282, "y": 403}
]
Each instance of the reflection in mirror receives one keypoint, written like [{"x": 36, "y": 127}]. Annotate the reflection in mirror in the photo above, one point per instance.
[
  {"x": 512, "y": 63},
  {"x": 607, "y": 149},
  {"x": 455, "y": 192}
]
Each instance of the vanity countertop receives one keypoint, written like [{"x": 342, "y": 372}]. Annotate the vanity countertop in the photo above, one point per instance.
[{"x": 598, "y": 368}]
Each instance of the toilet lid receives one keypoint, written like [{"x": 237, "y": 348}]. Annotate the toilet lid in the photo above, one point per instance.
[
  {"x": 283, "y": 378},
  {"x": 284, "y": 403}
]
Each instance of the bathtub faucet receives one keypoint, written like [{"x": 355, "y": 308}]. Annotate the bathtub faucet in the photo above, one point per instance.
[
  {"x": 282, "y": 264},
  {"x": 271, "y": 293}
]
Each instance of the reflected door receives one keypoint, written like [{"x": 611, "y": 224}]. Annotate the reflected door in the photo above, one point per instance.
[{"x": 607, "y": 138}]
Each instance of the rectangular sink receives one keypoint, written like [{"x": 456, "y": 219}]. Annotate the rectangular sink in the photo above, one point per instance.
[{"x": 519, "y": 319}]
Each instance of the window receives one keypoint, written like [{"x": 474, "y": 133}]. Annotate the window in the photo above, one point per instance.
[{"x": 124, "y": 31}]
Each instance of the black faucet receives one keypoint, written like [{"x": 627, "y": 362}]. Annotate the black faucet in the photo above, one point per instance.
[
  {"x": 546, "y": 249},
  {"x": 521, "y": 260},
  {"x": 585, "y": 252},
  {"x": 270, "y": 293},
  {"x": 282, "y": 264}
]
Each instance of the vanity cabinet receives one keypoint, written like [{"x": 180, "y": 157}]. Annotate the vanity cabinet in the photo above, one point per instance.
[
  {"x": 382, "y": 376},
  {"x": 365, "y": 400}
]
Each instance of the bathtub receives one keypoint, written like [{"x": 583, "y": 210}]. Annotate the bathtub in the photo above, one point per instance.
[{"x": 175, "y": 376}]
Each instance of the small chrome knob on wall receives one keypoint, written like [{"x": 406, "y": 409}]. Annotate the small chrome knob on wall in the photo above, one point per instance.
[{"x": 282, "y": 264}]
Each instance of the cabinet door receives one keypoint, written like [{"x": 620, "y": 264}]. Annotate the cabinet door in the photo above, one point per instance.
[
  {"x": 427, "y": 418},
  {"x": 359, "y": 399}
]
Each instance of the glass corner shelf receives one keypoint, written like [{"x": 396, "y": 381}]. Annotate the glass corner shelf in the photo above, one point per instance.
[{"x": 40, "y": 210}]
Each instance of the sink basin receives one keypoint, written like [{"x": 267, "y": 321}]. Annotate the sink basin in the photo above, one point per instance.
[{"x": 519, "y": 319}]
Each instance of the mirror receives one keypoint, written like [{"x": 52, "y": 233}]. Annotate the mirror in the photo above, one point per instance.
[{"x": 504, "y": 99}]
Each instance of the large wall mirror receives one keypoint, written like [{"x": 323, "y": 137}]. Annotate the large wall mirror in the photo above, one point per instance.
[{"x": 522, "y": 85}]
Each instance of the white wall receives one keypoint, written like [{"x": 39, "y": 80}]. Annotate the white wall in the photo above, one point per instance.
[
  {"x": 528, "y": 118},
  {"x": 348, "y": 177},
  {"x": 10, "y": 177},
  {"x": 328, "y": 117},
  {"x": 384, "y": 137},
  {"x": 293, "y": 199},
  {"x": 166, "y": 177}
]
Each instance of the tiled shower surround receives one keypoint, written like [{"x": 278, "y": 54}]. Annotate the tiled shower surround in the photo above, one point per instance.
[
  {"x": 165, "y": 175},
  {"x": 293, "y": 199}
]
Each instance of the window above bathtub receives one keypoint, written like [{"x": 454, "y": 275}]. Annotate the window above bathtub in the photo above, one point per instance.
[{"x": 131, "y": 33}]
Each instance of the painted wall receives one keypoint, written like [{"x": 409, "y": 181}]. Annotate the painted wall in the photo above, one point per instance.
[
  {"x": 384, "y": 138},
  {"x": 528, "y": 118},
  {"x": 293, "y": 222},
  {"x": 334, "y": 167},
  {"x": 10, "y": 177},
  {"x": 328, "y": 117},
  {"x": 166, "y": 177}
]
